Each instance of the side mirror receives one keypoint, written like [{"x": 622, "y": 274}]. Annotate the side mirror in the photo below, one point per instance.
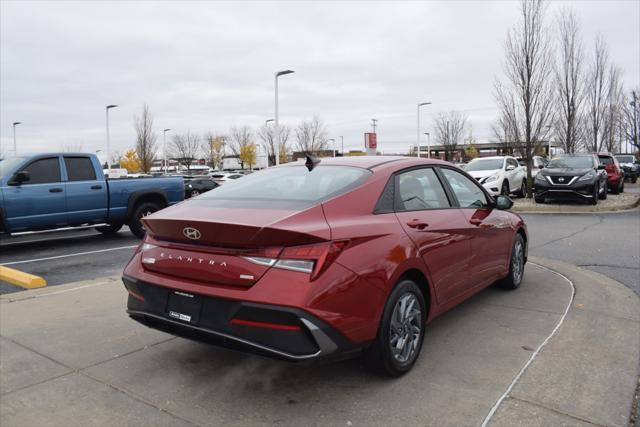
[
  {"x": 600, "y": 167},
  {"x": 19, "y": 178},
  {"x": 510, "y": 168},
  {"x": 503, "y": 202}
]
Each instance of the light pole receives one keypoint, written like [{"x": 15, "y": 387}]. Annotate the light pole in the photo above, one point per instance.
[
  {"x": 374, "y": 123},
  {"x": 420, "y": 104},
  {"x": 334, "y": 146},
  {"x": 108, "y": 142},
  {"x": 164, "y": 148},
  {"x": 15, "y": 152},
  {"x": 428, "y": 144},
  {"x": 342, "y": 145},
  {"x": 278, "y": 74}
]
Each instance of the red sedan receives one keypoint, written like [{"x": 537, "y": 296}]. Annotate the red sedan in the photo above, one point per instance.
[{"x": 335, "y": 256}]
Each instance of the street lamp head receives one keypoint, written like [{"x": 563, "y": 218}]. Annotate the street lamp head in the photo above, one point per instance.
[
  {"x": 427, "y": 133},
  {"x": 166, "y": 130},
  {"x": 424, "y": 103},
  {"x": 16, "y": 123},
  {"x": 282, "y": 73},
  {"x": 111, "y": 106},
  {"x": 266, "y": 122}
]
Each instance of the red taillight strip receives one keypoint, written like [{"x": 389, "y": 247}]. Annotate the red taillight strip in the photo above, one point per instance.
[
  {"x": 135, "y": 295},
  {"x": 243, "y": 322}
]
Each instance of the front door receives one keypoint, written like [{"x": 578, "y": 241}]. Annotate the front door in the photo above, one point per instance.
[
  {"x": 38, "y": 203},
  {"x": 439, "y": 231}
]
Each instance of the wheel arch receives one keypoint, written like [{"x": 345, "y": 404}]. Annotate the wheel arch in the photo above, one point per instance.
[
  {"x": 419, "y": 278},
  {"x": 153, "y": 196}
]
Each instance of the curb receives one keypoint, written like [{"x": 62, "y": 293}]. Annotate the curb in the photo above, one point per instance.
[
  {"x": 587, "y": 210},
  {"x": 20, "y": 278},
  {"x": 596, "y": 352},
  {"x": 58, "y": 289}
]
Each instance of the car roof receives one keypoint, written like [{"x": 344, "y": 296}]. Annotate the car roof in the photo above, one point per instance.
[{"x": 370, "y": 162}]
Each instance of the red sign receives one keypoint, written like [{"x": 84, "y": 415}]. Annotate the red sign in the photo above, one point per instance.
[{"x": 371, "y": 140}]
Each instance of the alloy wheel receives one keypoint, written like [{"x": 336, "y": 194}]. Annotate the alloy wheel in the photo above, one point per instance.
[
  {"x": 518, "y": 262},
  {"x": 406, "y": 328}
]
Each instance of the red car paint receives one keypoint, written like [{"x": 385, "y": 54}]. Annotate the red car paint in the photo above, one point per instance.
[
  {"x": 451, "y": 252},
  {"x": 615, "y": 174}
]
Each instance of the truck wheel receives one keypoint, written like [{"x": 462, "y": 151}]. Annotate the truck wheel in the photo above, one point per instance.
[
  {"x": 142, "y": 210},
  {"x": 109, "y": 229},
  {"x": 401, "y": 332}
]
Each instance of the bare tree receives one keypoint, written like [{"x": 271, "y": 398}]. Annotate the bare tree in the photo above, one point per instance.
[
  {"x": 631, "y": 118},
  {"x": 266, "y": 134},
  {"x": 213, "y": 149},
  {"x": 241, "y": 137},
  {"x": 185, "y": 148},
  {"x": 71, "y": 147},
  {"x": 145, "y": 139},
  {"x": 597, "y": 85},
  {"x": 449, "y": 131},
  {"x": 525, "y": 100},
  {"x": 569, "y": 83},
  {"x": 611, "y": 135},
  {"x": 311, "y": 136}
]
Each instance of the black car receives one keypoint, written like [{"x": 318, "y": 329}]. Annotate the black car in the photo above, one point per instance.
[
  {"x": 571, "y": 177},
  {"x": 630, "y": 166},
  {"x": 198, "y": 185}
]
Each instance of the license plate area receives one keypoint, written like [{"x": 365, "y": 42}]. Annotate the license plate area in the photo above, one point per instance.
[{"x": 184, "y": 307}]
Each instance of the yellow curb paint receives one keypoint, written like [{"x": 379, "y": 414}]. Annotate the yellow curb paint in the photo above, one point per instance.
[{"x": 22, "y": 279}]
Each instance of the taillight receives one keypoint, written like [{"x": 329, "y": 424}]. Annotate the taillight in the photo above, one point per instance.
[{"x": 311, "y": 259}]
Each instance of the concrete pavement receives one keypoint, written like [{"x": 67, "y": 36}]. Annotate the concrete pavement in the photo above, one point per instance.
[{"x": 70, "y": 356}]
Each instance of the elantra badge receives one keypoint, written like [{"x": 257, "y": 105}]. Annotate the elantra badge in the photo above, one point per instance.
[{"x": 191, "y": 233}]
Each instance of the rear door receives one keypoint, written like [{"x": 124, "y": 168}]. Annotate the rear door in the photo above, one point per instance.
[
  {"x": 488, "y": 228},
  {"x": 87, "y": 196},
  {"x": 40, "y": 202},
  {"x": 439, "y": 230}
]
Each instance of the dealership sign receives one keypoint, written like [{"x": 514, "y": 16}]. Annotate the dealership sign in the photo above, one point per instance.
[{"x": 371, "y": 143}]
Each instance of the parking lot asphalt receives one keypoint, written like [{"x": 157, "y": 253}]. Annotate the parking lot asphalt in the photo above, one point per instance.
[{"x": 71, "y": 356}]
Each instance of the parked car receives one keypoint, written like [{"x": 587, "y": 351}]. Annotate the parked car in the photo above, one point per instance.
[
  {"x": 223, "y": 177},
  {"x": 332, "y": 257},
  {"x": 538, "y": 163},
  {"x": 570, "y": 177},
  {"x": 54, "y": 190},
  {"x": 499, "y": 175},
  {"x": 198, "y": 186},
  {"x": 615, "y": 174},
  {"x": 630, "y": 166}
]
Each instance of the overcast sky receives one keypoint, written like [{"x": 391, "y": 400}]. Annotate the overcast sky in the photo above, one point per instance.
[{"x": 209, "y": 65}]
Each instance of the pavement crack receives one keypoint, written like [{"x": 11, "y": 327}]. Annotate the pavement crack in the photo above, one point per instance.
[
  {"x": 540, "y": 405},
  {"x": 582, "y": 230}
]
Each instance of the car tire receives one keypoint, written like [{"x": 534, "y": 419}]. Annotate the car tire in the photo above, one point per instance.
[
  {"x": 634, "y": 179},
  {"x": 383, "y": 356},
  {"x": 523, "y": 188},
  {"x": 516, "y": 265},
  {"x": 622, "y": 186},
  {"x": 616, "y": 189},
  {"x": 596, "y": 194},
  {"x": 538, "y": 199},
  {"x": 605, "y": 193},
  {"x": 142, "y": 210},
  {"x": 504, "y": 190},
  {"x": 109, "y": 229}
]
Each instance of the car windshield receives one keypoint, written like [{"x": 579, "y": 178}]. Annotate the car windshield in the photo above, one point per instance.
[
  {"x": 606, "y": 160},
  {"x": 625, "y": 159},
  {"x": 8, "y": 165},
  {"x": 575, "y": 162},
  {"x": 291, "y": 183},
  {"x": 484, "y": 165}
]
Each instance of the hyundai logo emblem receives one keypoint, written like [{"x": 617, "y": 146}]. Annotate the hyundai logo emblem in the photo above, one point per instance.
[{"x": 191, "y": 233}]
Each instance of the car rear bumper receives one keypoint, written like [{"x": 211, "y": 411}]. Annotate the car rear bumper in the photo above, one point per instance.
[{"x": 275, "y": 331}]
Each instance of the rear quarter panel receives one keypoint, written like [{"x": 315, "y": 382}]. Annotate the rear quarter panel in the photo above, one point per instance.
[{"x": 121, "y": 191}]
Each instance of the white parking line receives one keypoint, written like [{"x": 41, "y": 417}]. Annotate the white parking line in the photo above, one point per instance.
[
  {"x": 535, "y": 353},
  {"x": 69, "y": 255}
]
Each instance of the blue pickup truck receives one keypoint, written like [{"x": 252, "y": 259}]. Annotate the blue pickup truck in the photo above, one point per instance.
[{"x": 55, "y": 190}]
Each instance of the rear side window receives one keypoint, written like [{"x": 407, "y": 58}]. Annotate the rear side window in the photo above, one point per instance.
[
  {"x": 420, "y": 189},
  {"x": 469, "y": 195},
  {"x": 44, "y": 171},
  {"x": 291, "y": 183},
  {"x": 80, "y": 169}
]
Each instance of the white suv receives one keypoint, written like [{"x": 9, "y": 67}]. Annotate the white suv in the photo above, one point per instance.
[{"x": 499, "y": 175}]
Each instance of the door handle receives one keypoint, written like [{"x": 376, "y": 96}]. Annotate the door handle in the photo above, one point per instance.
[
  {"x": 55, "y": 190},
  {"x": 96, "y": 187},
  {"x": 417, "y": 224}
]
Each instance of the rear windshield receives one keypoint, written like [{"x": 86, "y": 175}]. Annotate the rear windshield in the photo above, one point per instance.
[
  {"x": 625, "y": 159},
  {"x": 606, "y": 160},
  {"x": 291, "y": 183},
  {"x": 576, "y": 162},
  {"x": 484, "y": 165}
]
